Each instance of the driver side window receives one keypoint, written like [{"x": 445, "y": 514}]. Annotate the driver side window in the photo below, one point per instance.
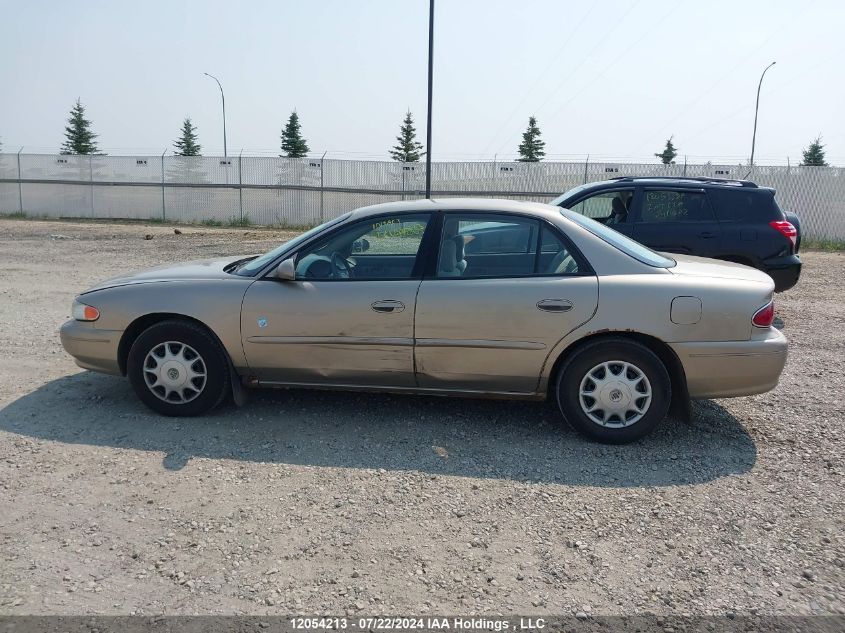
[
  {"x": 382, "y": 247},
  {"x": 610, "y": 207}
]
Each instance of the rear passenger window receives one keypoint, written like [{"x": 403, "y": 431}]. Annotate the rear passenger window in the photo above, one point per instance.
[
  {"x": 479, "y": 245},
  {"x": 744, "y": 205},
  {"x": 554, "y": 257},
  {"x": 676, "y": 206},
  {"x": 499, "y": 237}
]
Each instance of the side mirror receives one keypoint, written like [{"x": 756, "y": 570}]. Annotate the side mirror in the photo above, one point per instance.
[{"x": 286, "y": 270}]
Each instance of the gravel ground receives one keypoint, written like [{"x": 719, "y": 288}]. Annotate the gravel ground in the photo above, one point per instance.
[{"x": 365, "y": 504}]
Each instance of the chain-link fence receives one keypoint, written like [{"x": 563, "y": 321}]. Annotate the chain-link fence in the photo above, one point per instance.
[{"x": 285, "y": 191}]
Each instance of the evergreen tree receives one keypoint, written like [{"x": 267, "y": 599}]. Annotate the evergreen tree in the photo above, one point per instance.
[
  {"x": 293, "y": 144},
  {"x": 531, "y": 148},
  {"x": 667, "y": 156},
  {"x": 79, "y": 139},
  {"x": 407, "y": 149},
  {"x": 186, "y": 144},
  {"x": 814, "y": 155}
]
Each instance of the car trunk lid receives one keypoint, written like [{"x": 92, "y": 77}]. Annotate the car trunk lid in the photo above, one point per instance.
[{"x": 714, "y": 268}]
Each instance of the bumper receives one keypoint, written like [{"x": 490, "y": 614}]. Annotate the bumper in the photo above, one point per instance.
[
  {"x": 91, "y": 348},
  {"x": 733, "y": 368},
  {"x": 785, "y": 271}
]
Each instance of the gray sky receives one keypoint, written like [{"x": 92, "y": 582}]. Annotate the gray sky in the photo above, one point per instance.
[{"x": 612, "y": 78}]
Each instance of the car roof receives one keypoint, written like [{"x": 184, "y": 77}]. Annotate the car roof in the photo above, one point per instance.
[
  {"x": 494, "y": 205},
  {"x": 672, "y": 181},
  {"x": 688, "y": 180}
]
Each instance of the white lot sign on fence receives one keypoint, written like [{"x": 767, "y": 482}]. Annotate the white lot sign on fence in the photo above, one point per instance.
[{"x": 286, "y": 191}]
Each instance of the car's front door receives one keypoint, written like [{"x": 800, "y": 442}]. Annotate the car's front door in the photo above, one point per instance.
[
  {"x": 677, "y": 221},
  {"x": 348, "y": 318},
  {"x": 496, "y": 305}
]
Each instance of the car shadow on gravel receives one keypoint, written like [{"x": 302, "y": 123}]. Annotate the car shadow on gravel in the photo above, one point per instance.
[{"x": 521, "y": 441}]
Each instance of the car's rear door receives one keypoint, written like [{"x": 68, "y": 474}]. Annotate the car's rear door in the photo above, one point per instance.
[
  {"x": 676, "y": 221},
  {"x": 491, "y": 327},
  {"x": 328, "y": 329}
]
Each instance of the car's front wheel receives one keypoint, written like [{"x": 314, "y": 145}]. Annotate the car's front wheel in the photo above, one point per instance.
[
  {"x": 178, "y": 368},
  {"x": 614, "y": 390}
]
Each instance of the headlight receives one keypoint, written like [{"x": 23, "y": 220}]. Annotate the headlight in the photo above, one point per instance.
[{"x": 82, "y": 312}]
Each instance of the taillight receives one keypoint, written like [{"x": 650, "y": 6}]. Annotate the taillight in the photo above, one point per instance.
[
  {"x": 786, "y": 229},
  {"x": 765, "y": 316}
]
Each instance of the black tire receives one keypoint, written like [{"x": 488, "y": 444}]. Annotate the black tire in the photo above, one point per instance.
[
  {"x": 212, "y": 359},
  {"x": 588, "y": 357}
]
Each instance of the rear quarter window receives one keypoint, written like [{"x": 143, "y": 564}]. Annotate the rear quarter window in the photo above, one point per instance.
[{"x": 752, "y": 206}]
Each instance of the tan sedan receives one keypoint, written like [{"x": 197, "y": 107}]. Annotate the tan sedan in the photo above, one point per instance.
[{"x": 454, "y": 297}]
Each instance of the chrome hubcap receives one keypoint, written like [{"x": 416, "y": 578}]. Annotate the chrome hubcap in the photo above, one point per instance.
[
  {"x": 615, "y": 394},
  {"x": 175, "y": 372}
]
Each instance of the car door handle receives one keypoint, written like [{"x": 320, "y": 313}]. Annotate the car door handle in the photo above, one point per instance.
[
  {"x": 387, "y": 305},
  {"x": 554, "y": 305},
  {"x": 706, "y": 235}
]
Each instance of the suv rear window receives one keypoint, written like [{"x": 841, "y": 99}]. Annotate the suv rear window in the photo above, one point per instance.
[
  {"x": 675, "y": 206},
  {"x": 745, "y": 205}
]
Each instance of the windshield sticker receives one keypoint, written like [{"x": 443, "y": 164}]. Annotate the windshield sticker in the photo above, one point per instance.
[{"x": 378, "y": 225}]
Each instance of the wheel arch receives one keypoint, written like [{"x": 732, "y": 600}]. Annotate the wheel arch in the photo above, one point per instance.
[
  {"x": 134, "y": 330},
  {"x": 680, "y": 395}
]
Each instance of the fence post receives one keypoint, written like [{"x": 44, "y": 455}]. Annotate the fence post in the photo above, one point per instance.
[
  {"x": 402, "y": 167},
  {"x": 20, "y": 183},
  {"x": 163, "y": 207},
  {"x": 322, "y": 181},
  {"x": 586, "y": 164},
  {"x": 241, "y": 184},
  {"x": 790, "y": 186},
  {"x": 495, "y": 165},
  {"x": 91, "y": 180},
  {"x": 685, "y": 165}
]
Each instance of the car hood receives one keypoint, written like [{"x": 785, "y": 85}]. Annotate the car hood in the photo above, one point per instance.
[
  {"x": 200, "y": 270},
  {"x": 715, "y": 268}
]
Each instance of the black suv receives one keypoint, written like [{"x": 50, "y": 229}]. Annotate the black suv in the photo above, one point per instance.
[{"x": 734, "y": 220}]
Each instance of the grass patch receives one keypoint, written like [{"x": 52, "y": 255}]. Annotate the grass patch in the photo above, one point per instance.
[
  {"x": 285, "y": 226},
  {"x": 231, "y": 223},
  {"x": 240, "y": 222},
  {"x": 823, "y": 245}
]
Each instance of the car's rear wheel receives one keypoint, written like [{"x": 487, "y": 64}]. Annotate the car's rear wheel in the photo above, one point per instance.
[
  {"x": 178, "y": 368},
  {"x": 614, "y": 390}
]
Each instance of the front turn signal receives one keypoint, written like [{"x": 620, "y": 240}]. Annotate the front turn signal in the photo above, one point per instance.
[{"x": 82, "y": 312}]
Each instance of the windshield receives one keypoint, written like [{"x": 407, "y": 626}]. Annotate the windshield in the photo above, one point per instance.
[
  {"x": 559, "y": 200},
  {"x": 252, "y": 267},
  {"x": 619, "y": 241}
]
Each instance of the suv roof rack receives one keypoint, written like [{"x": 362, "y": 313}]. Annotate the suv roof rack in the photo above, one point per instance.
[{"x": 718, "y": 181}]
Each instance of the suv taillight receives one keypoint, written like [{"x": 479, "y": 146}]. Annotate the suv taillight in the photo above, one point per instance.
[
  {"x": 765, "y": 316},
  {"x": 786, "y": 229}
]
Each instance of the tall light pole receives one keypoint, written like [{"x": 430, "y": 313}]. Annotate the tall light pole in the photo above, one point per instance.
[
  {"x": 223, "y": 99},
  {"x": 756, "y": 108},
  {"x": 430, "y": 86}
]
